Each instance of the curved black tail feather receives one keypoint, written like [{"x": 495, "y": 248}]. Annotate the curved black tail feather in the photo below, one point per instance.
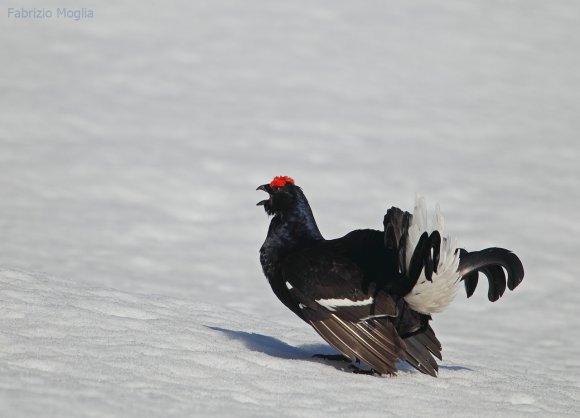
[{"x": 491, "y": 262}]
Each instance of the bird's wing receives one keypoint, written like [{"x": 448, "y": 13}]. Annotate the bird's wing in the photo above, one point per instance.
[
  {"x": 328, "y": 289},
  {"x": 328, "y": 282},
  {"x": 421, "y": 347},
  {"x": 422, "y": 344}
]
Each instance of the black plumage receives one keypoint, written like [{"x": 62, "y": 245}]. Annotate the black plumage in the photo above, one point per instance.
[{"x": 352, "y": 290}]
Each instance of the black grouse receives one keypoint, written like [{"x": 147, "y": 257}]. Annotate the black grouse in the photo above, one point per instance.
[{"x": 370, "y": 294}]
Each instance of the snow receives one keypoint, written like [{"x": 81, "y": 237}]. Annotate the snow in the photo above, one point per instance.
[
  {"x": 79, "y": 350},
  {"x": 130, "y": 148}
]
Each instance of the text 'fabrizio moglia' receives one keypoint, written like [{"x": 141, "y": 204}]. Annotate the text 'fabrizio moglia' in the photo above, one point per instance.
[{"x": 57, "y": 13}]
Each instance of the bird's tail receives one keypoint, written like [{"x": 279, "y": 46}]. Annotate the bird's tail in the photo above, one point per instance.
[
  {"x": 437, "y": 284},
  {"x": 434, "y": 265},
  {"x": 491, "y": 262}
]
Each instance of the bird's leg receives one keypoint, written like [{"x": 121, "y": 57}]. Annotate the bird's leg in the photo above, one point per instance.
[{"x": 332, "y": 357}]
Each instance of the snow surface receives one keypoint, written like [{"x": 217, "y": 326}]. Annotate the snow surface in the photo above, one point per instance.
[{"x": 130, "y": 148}]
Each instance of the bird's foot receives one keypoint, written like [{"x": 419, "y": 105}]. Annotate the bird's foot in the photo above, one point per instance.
[
  {"x": 332, "y": 357},
  {"x": 369, "y": 372}
]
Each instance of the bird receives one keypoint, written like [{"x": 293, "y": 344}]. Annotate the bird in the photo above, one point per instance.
[{"x": 371, "y": 294}]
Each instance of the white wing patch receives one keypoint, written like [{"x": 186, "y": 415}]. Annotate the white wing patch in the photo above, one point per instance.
[
  {"x": 289, "y": 286},
  {"x": 332, "y": 304},
  {"x": 432, "y": 297}
]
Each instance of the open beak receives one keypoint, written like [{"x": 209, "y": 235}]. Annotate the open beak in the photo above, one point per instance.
[{"x": 265, "y": 188}]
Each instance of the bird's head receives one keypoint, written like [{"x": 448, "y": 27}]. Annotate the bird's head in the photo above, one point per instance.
[
  {"x": 283, "y": 195},
  {"x": 291, "y": 210}
]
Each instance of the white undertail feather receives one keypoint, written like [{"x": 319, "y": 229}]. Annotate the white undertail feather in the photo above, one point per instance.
[{"x": 432, "y": 297}]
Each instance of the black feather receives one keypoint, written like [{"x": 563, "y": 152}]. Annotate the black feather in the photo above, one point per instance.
[
  {"x": 417, "y": 259},
  {"x": 470, "y": 281},
  {"x": 435, "y": 245},
  {"x": 497, "y": 281},
  {"x": 491, "y": 262}
]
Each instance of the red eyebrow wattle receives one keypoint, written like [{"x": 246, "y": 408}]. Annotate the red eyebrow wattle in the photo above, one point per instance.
[{"x": 280, "y": 181}]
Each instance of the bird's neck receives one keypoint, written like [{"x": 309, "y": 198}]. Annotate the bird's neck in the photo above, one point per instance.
[
  {"x": 289, "y": 231},
  {"x": 292, "y": 229}
]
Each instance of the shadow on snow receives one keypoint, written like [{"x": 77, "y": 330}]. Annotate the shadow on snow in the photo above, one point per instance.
[{"x": 277, "y": 348}]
